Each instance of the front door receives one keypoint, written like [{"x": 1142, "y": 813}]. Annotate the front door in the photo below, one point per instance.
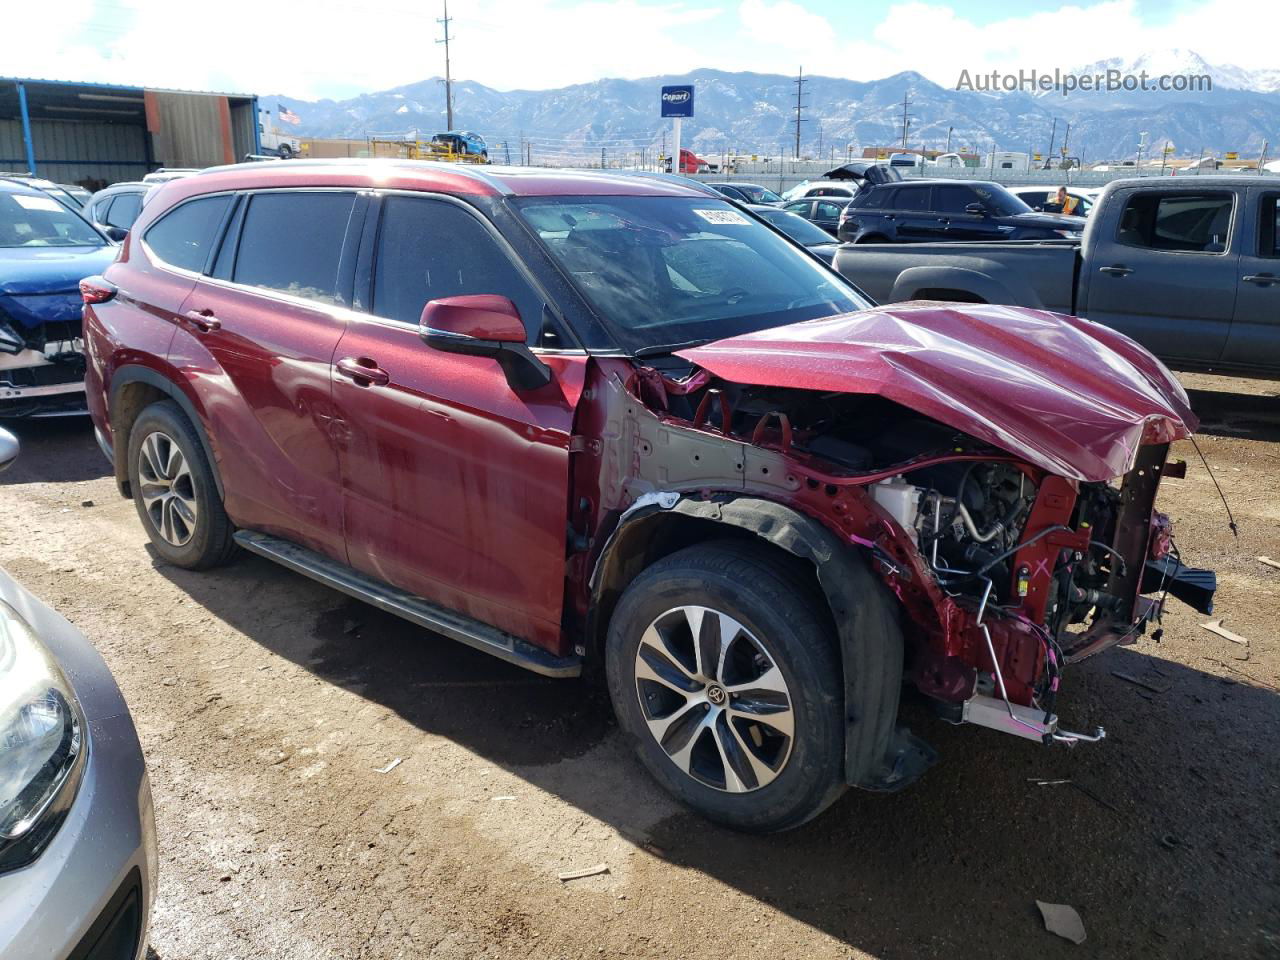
[
  {"x": 1165, "y": 273},
  {"x": 952, "y": 202},
  {"x": 1255, "y": 332},
  {"x": 455, "y": 486},
  {"x": 256, "y": 342}
]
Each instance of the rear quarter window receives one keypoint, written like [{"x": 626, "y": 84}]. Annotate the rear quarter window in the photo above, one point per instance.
[
  {"x": 185, "y": 235},
  {"x": 292, "y": 243}
]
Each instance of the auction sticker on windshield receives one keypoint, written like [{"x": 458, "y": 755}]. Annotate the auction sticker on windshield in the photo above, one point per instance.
[
  {"x": 37, "y": 203},
  {"x": 721, "y": 217}
]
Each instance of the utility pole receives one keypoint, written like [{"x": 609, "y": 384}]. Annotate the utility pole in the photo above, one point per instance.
[
  {"x": 602, "y": 160},
  {"x": 448, "y": 76},
  {"x": 906, "y": 118},
  {"x": 799, "y": 82},
  {"x": 1053, "y": 135},
  {"x": 507, "y": 147},
  {"x": 948, "y": 150}
]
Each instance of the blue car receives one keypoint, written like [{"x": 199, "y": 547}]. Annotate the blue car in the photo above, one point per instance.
[{"x": 45, "y": 251}]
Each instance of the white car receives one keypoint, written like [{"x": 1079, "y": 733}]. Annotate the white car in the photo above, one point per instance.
[{"x": 1045, "y": 199}]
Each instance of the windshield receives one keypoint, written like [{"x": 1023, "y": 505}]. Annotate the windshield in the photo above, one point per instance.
[
  {"x": 796, "y": 227},
  {"x": 672, "y": 271},
  {"x": 999, "y": 201},
  {"x": 37, "y": 220}
]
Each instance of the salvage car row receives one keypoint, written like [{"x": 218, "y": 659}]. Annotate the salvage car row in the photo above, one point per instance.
[{"x": 593, "y": 422}]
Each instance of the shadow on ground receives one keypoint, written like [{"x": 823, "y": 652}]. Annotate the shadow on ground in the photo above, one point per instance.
[
  {"x": 53, "y": 451},
  {"x": 1227, "y": 414},
  {"x": 1165, "y": 840}
]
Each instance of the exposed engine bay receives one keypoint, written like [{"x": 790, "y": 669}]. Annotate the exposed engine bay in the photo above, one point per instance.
[{"x": 1007, "y": 573}]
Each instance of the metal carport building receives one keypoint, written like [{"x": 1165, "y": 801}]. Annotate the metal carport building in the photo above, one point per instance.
[{"x": 95, "y": 133}]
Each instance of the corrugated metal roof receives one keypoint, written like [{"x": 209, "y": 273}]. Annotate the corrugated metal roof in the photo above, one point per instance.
[{"x": 124, "y": 87}]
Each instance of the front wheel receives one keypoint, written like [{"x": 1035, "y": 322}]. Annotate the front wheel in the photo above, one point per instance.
[{"x": 729, "y": 685}]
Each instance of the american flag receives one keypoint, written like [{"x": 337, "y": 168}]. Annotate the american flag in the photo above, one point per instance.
[{"x": 287, "y": 115}]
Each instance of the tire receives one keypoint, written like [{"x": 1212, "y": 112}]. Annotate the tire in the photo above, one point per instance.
[
  {"x": 284, "y": 151},
  {"x": 734, "y": 763},
  {"x": 174, "y": 490}
]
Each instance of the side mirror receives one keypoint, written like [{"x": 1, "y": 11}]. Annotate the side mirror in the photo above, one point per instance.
[
  {"x": 8, "y": 449},
  {"x": 484, "y": 325},
  {"x": 977, "y": 209},
  {"x": 116, "y": 233}
]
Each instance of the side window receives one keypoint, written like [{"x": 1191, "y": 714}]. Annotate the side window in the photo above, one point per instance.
[
  {"x": 912, "y": 198},
  {"x": 1269, "y": 241},
  {"x": 429, "y": 249},
  {"x": 953, "y": 199},
  {"x": 183, "y": 236},
  {"x": 828, "y": 211},
  {"x": 1183, "y": 222},
  {"x": 124, "y": 210},
  {"x": 292, "y": 242},
  {"x": 800, "y": 207},
  {"x": 871, "y": 198}
]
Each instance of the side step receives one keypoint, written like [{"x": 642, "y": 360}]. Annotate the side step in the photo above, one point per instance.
[{"x": 412, "y": 608}]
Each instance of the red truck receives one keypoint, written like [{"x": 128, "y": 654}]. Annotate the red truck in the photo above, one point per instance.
[{"x": 612, "y": 422}]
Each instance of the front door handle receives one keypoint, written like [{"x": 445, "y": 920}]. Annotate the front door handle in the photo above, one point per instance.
[
  {"x": 1264, "y": 279},
  {"x": 203, "y": 320},
  {"x": 363, "y": 371},
  {"x": 1119, "y": 270}
]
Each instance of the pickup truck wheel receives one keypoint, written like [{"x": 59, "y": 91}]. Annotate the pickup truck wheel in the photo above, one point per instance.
[
  {"x": 729, "y": 686},
  {"x": 174, "y": 490}
]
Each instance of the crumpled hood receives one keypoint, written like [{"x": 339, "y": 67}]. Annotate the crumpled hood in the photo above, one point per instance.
[
  {"x": 1067, "y": 395},
  {"x": 41, "y": 284}
]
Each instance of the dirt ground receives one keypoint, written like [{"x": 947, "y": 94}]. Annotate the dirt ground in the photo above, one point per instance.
[{"x": 272, "y": 711}]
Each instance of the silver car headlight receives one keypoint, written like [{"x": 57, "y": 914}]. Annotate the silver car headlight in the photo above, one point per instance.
[{"x": 42, "y": 743}]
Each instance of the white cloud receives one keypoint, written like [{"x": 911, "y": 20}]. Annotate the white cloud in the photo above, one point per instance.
[{"x": 269, "y": 46}]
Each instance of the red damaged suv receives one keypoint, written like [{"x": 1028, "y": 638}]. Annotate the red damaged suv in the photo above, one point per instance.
[{"x": 582, "y": 419}]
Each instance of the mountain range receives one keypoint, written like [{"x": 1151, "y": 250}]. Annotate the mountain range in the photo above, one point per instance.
[{"x": 755, "y": 113}]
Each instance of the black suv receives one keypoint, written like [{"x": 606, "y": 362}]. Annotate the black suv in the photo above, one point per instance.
[{"x": 946, "y": 210}]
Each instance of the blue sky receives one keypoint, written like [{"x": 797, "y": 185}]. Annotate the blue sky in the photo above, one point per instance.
[{"x": 320, "y": 49}]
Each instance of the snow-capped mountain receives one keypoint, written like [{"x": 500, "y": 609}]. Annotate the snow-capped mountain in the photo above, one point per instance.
[
  {"x": 1188, "y": 63},
  {"x": 754, "y": 113}
]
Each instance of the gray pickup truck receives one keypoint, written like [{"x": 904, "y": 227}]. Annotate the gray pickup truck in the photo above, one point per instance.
[{"x": 1189, "y": 267}]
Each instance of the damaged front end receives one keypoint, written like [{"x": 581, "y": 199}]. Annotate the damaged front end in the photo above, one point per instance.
[
  {"x": 1003, "y": 495},
  {"x": 42, "y": 366}
]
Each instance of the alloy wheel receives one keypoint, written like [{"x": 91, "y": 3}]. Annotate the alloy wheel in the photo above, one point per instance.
[
  {"x": 168, "y": 490},
  {"x": 714, "y": 699}
]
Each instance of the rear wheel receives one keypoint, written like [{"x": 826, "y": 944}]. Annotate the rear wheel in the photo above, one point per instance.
[
  {"x": 174, "y": 490},
  {"x": 729, "y": 685}
]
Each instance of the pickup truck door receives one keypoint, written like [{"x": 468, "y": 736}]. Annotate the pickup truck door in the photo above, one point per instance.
[
  {"x": 455, "y": 486},
  {"x": 1255, "y": 332},
  {"x": 1162, "y": 268}
]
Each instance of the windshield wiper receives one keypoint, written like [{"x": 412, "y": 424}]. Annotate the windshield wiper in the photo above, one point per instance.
[{"x": 662, "y": 350}]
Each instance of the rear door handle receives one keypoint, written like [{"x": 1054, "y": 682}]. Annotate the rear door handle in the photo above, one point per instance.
[
  {"x": 1119, "y": 270},
  {"x": 1264, "y": 279},
  {"x": 203, "y": 320},
  {"x": 363, "y": 371}
]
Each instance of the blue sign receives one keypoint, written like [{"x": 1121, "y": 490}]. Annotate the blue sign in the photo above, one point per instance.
[{"x": 677, "y": 101}]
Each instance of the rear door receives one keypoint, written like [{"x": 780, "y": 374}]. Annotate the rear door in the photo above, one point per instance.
[
  {"x": 1255, "y": 331},
  {"x": 1165, "y": 270},
  {"x": 826, "y": 214},
  {"x": 455, "y": 486},
  {"x": 913, "y": 214},
  {"x": 256, "y": 341}
]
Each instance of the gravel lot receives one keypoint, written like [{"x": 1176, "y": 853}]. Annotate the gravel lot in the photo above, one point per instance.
[{"x": 269, "y": 708}]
